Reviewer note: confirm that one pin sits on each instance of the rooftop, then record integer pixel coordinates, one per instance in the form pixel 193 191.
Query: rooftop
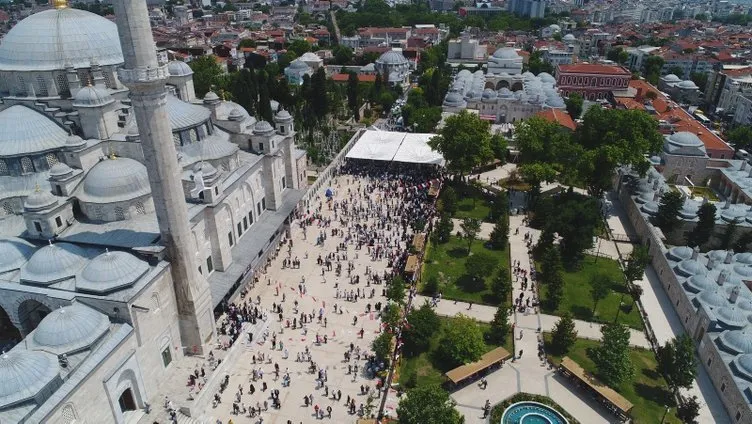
pixel 593 68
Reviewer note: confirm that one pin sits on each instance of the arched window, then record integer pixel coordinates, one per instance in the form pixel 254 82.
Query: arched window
pixel 26 165
pixel 41 87
pixel 193 134
pixel 176 138
pixel 68 414
pixel 51 159
pixel 140 209
pixel 21 89
pixel 85 77
pixel 62 85
pixel 7 209
pixel 155 301
pixel 119 213
pixel 99 213
pixel 108 80
pixel 3 168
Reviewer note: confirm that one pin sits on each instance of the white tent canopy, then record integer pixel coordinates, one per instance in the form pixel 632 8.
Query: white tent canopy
pixel 395 146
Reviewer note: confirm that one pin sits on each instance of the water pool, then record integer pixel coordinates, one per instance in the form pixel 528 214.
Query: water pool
pixel 531 413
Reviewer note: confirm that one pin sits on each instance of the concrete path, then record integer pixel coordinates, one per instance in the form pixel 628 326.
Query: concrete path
pixel 485 228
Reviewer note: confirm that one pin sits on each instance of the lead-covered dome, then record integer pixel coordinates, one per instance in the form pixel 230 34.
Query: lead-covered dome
pixel 743 365
pixel 24 130
pixel 178 68
pixel 185 115
pixel 69 329
pixel 14 252
pixel 53 263
pixel 685 139
pixel 506 53
pixel 392 57
pixel 671 78
pixel 26 373
pixel 39 200
pixel 115 180
pixel 263 128
pixel 57 38
pixel 737 341
pixel 111 271
pixel 91 96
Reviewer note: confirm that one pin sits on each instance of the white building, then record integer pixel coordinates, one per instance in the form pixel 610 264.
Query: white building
pixel 505 61
pixel 296 70
pixel 467 49
pixel 395 66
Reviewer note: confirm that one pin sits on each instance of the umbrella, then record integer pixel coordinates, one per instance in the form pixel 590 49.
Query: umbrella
pixel 329 192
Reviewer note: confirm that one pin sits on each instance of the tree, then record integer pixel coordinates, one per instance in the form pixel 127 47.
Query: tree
pixel 422 325
pixel 352 94
pixel 319 97
pixel 501 284
pixel 449 200
pixel 382 347
pixel 465 142
pixel 700 79
pixel 688 410
pixel 396 290
pixel 428 404
pixel 299 47
pixel 432 285
pixel 499 325
pixel 391 316
pixel 342 54
pixel 462 342
pixel 636 263
pixel 479 265
pixel 676 70
pixel 727 238
pixel 618 55
pixel 600 287
pixel 653 66
pixel 563 335
pixel 611 357
pixel 667 218
pixel 740 137
pixel 551 277
pixel 705 226
pixel 264 103
pixel 677 363
pixel 574 105
pixel 743 242
pixel 206 71
pixel 499 147
pixel 470 229
pixel 444 228
pixel 500 234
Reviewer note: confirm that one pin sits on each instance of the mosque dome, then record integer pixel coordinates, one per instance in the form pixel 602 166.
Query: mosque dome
pixel 743 365
pixel 744 304
pixel 235 115
pixel 568 38
pixel 298 65
pixel 506 53
pixel 115 180
pixel 732 214
pixel 283 116
pixel 689 210
pixel 743 270
pixel 39 200
pixel 263 127
pixel 555 102
pixel 212 148
pixel 688 84
pixel 24 374
pixel 206 169
pixel 505 92
pixel 14 252
pixel 689 267
pixel 111 271
pixel 528 75
pixel 685 139
pixel 546 77
pixel 60 169
pixel 392 57
pixel 211 97
pixel 713 298
pixel 671 78
pixel 554 27
pixel 178 68
pixel 650 208
pixel 59 38
pixel 91 96
pixel 454 99
pixel 737 341
pixel 745 258
pixel 74 140
pixel 731 317
pixel 698 283
pixel 185 115
pixel 53 263
pixel 69 329
pixel 489 95
pixel 24 130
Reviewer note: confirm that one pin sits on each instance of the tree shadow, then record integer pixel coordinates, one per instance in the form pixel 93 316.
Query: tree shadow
pixel 581 312
pixel 656 394
pixel 471 285
pixel 457 252
pixel 651 374
pixel 490 299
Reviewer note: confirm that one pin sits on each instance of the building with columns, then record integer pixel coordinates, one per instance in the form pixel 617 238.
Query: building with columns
pixel 591 81
pixel 129 211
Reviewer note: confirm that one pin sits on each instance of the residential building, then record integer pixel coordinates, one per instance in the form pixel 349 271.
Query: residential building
pixel 591 81
pixel 467 49
pixel 527 8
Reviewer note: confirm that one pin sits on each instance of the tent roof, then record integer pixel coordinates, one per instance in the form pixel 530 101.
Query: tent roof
pixel 395 146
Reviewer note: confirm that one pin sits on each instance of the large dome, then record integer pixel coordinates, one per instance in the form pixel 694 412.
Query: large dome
pixel 111 271
pixel 14 252
pixel 57 38
pixel 506 53
pixel 115 180
pixel 69 329
pixel 25 373
pixel 685 139
pixel 24 130
pixel 392 57
pixel 185 115
pixel 53 263
pixel 737 341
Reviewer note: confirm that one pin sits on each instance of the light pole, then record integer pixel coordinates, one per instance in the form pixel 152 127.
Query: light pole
pixel 664 414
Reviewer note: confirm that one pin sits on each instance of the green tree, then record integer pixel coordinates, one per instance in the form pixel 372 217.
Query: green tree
pixel 563 335
pixel 688 410
pixel 501 284
pixel 449 200
pixel 479 265
pixel 422 325
pixel 396 290
pixel 499 147
pixel 464 141
pixel 444 228
pixel 729 234
pixel 652 68
pixel 618 55
pixel 470 229
pixel 462 341
pixel 432 285
pixel 676 70
pixel 700 79
pixel 206 72
pixel 352 94
pixel 343 55
pixel 382 347
pixel 600 287
pixel 319 93
pixel 299 47
pixel 499 325
pixel 391 316
pixel 611 357
pixel 551 277
pixel 667 218
pixel 740 137
pixel 574 105
pixel 636 263
pixel 428 404
pixel 743 242
pixel 500 234
pixel 264 103
pixel 704 227
pixel 677 363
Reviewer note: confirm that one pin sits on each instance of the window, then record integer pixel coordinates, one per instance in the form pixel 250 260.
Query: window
pixel 62 85
pixel 119 213
pixel 723 387
pixel 258 208
pixel 283 182
pixel 58 222
pixel 166 356
pixel 245 223
pixel 263 203
pixel 710 361
pixel 38 226
pixel 209 264
pixel 738 415
pixel 229 237
pixel 176 138
pixel 261 146
pixel 140 209
pixel 250 217
pixel 68 414
pixel 26 165
pixel 194 135
pixel 199 270
pixel 3 168
pixel 240 229
pixel 7 209
pixel 21 86
pixel 41 87
pixel 51 159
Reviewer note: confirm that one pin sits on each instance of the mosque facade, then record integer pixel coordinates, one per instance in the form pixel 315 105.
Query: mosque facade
pixel 129 211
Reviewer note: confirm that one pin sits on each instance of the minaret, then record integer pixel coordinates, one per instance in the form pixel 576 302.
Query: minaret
pixel 145 78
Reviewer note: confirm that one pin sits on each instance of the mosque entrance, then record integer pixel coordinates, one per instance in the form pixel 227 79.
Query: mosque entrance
pixel 31 313
pixel 9 334
pixel 126 401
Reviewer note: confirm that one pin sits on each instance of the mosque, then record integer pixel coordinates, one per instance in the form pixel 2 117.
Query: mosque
pixel 129 208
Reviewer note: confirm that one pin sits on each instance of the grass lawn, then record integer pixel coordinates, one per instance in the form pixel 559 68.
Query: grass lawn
pixel 446 262
pixel 705 192
pixel 648 391
pixel 428 368
pixel 577 299
pixel 471 202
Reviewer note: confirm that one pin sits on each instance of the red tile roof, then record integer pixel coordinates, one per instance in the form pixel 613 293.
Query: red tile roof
pixel 593 68
pixel 361 78
pixel 558 116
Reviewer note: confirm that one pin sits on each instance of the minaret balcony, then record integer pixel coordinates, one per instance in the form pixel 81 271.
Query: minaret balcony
pixel 143 75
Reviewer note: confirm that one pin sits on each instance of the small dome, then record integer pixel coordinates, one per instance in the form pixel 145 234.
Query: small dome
pixel 743 365
pixel 298 65
pixel 688 85
pixel 745 258
pixel 472 94
pixel 731 317
pixel 24 130
pixel 650 208
pixel 211 97
pixel 737 341
pixel 568 38
pixel 74 140
pixel 718 255
pixel 178 68
pixel 698 283
pixel 690 267
pixel 489 94
pixel 546 77
pixel 91 96
pixel 714 298
pixel 235 115
pixel 206 169
pixel 25 373
pixel 70 329
pixel 14 252
pixel 283 116
pixel 185 115
pixel 60 170
pixel 115 180
pixel 744 304
pixel 743 270
pixel 392 57
pixel 505 92
pixel 685 139
pixel 263 127
pixel 556 103
pixel 689 210
pixel 111 271
pixel 528 75
pixel 454 99
pixel 53 263
pixel 506 53
pixel 671 78
pixel 732 214
pixel 39 200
